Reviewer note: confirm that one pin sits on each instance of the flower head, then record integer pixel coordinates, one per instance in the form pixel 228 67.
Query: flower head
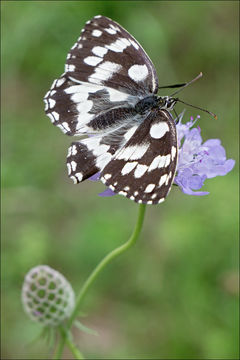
pixel 47 296
pixel 198 161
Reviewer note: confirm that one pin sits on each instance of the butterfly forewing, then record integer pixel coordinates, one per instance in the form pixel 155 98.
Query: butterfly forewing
pixel 106 69
pixel 143 170
pixel 106 54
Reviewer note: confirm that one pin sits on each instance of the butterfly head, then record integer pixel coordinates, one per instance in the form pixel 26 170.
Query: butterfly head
pixel 167 102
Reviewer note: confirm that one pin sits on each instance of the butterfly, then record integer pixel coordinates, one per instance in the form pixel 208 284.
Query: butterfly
pixel 109 93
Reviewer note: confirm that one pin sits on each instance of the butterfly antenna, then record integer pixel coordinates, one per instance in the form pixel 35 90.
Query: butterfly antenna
pixel 188 83
pixel 172 86
pixel 199 108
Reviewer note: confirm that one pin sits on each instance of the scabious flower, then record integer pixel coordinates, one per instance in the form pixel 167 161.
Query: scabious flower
pixel 197 161
pixel 47 296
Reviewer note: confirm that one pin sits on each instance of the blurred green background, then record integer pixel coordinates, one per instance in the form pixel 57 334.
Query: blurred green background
pixel 175 295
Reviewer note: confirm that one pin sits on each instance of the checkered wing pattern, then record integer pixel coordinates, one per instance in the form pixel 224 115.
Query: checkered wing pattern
pixel 106 54
pixel 108 93
pixel 143 169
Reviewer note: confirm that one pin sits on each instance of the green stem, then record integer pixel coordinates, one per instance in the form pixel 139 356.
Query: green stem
pixel 74 349
pixel 106 260
pixel 67 338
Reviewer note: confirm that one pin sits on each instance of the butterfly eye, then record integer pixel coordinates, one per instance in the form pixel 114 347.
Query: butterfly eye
pixel 160 101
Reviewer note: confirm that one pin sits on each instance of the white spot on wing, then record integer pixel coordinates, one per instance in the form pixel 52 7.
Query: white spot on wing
pixel 149 188
pixel 51 117
pixel 96 33
pixel 74 46
pixel 122 193
pixel 130 133
pixel 138 72
pixel 60 82
pixel 73 179
pixel 55 115
pixel 79 176
pixel 168 159
pixel 92 60
pixel 128 167
pixel 126 153
pixel 104 72
pixel 163 179
pixel 74 150
pixel 69 67
pixel 73 165
pixel 119 45
pixel 85 106
pixel 159 130
pixel 46 105
pixel 164 161
pixel 107 176
pixel 62 128
pixel 66 126
pixel 139 151
pixel 140 170
pixel 173 152
pixel 69 168
pixel 51 103
pixel 99 51
pixel 115 95
pixel 111 31
pixel 134 44
pixel 154 164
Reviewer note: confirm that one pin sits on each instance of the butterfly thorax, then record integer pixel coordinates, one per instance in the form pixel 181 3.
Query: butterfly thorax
pixel 153 101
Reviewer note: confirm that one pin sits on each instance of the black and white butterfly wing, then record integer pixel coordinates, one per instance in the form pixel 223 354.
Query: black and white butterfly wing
pixel 143 169
pixel 106 70
pixel 79 109
pixel 106 54
pixel 90 155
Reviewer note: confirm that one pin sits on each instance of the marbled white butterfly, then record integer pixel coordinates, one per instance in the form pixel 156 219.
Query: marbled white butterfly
pixel 108 91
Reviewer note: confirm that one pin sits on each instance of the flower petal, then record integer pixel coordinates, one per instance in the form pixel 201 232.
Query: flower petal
pixel 107 192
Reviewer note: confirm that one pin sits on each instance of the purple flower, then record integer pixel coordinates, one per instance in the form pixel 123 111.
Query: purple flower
pixel 197 161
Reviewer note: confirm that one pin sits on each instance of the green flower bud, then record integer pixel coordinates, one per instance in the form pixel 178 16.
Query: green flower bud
pixel 47 296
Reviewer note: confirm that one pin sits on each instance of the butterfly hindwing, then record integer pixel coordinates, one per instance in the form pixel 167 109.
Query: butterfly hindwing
pixel 83 108
pixel 90 155
pixel 143 170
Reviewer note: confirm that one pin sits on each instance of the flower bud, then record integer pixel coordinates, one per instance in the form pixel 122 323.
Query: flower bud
pixel 47 296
